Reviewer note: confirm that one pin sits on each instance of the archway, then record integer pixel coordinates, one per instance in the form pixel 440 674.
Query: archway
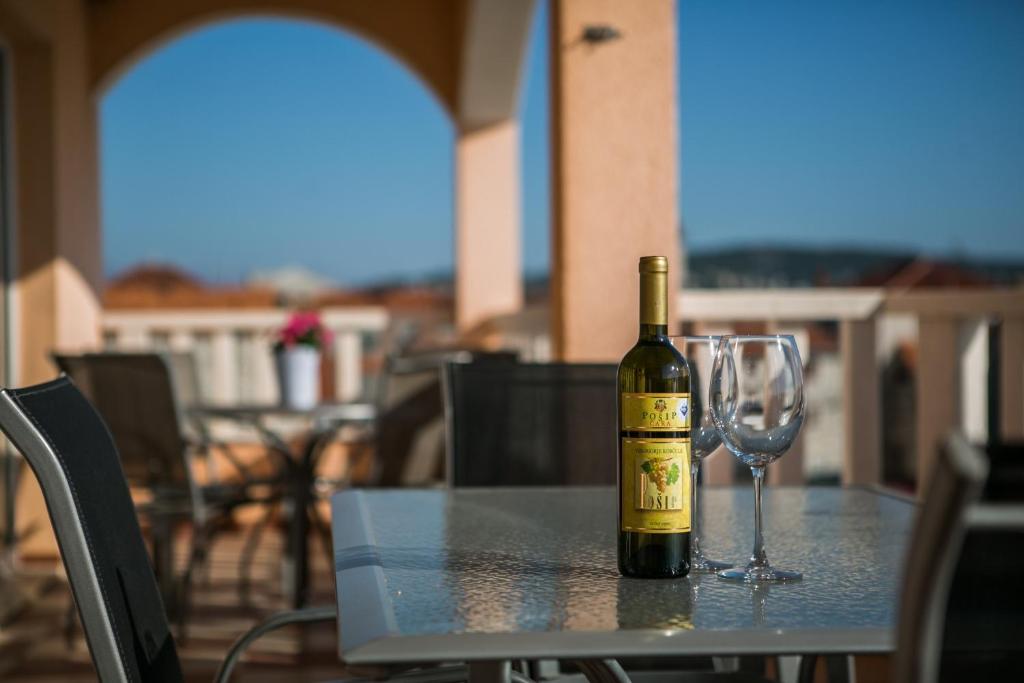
pixel 62 60
pixel 251 145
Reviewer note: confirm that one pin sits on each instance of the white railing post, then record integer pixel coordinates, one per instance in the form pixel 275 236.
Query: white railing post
pixel 862 434
pixel 265 374
pixel 936 384
pixel 134 338
pixel 224 373
pixel 181 341
pixel 789 470
pixel 973 366
pixel 1011 380
pixel 348 365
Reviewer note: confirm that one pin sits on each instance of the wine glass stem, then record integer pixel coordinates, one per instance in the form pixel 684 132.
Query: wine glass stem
pixel 694 509
pixel 759 558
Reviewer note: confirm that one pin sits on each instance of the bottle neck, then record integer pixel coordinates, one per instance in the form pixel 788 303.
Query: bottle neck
pixel 648 332
pixel 653 305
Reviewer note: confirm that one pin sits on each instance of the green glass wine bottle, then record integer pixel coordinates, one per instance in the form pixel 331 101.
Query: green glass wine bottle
pixel 654 441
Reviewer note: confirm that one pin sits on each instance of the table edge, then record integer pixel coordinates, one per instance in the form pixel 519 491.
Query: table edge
pixel 363 591
pixel 404 649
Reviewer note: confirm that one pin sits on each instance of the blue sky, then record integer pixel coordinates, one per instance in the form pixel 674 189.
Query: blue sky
pixel 258 143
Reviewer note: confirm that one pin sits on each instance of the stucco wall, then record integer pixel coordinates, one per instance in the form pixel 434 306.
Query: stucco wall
pixel 53 203
pixel 614 171
pixel 425 34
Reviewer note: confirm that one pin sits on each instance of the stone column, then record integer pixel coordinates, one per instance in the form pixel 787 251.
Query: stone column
pixel 488 261
pixel 614 168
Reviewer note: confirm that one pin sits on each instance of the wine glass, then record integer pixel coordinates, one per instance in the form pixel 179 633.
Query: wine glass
pixel 757 404
pixel 699 353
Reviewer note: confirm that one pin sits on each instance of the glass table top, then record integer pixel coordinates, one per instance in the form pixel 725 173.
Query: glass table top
pixel 517 562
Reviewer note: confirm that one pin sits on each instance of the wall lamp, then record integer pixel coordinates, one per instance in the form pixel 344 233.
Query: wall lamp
pixel 600 33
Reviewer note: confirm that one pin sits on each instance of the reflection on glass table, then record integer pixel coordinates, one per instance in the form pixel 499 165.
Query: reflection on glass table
pixel 507 573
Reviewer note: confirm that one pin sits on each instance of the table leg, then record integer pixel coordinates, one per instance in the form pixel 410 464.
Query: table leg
pixel 303 478
pixel 495 671
pixel 301 483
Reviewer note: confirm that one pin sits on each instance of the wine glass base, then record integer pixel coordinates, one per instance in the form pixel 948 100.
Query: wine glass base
pixel 706 566
pixel 759 575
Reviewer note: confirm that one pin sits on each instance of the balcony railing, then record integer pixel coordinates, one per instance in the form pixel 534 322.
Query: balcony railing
pixel 954 384
pixel 233 346
pixel 953 331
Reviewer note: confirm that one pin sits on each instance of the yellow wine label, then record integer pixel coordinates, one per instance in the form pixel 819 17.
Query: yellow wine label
pixel 655 486
pixel 655 412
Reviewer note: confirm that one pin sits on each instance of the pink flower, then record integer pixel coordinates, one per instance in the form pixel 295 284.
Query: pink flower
pixel 303 327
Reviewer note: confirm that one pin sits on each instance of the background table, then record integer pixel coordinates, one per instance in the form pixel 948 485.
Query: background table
pixel 324 420
pixel 497 574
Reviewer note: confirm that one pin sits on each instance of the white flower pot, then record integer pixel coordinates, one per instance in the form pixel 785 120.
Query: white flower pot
pixel 298 376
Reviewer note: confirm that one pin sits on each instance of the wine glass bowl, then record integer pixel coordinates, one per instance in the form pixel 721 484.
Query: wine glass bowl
pixel 756 401
pixel 699 352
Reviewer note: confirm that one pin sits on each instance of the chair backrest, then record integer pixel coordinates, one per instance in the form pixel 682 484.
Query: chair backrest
pixel 409 443
pixel 984 631
pixel 74 367
pixel 188 392
pixel 135 394
pixel 957 479
pixel 73 456
pixel 525 424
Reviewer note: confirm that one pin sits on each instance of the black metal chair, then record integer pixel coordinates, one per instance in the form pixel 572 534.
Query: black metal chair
pixel 408 439
pixel 962 608
pixel 135 394
pixel 73 455
pixel 957 478
pixel 983 636
pixel 526 424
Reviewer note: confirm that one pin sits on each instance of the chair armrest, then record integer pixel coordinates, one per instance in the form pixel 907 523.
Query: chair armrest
pixel 272 623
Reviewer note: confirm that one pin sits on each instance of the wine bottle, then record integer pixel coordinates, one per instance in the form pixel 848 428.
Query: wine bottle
pixel 654 441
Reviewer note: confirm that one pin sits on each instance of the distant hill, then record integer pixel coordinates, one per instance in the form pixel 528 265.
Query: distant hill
pixel 746 266
pixel 823 267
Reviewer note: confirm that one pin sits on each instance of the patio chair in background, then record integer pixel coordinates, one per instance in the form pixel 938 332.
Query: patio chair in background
pixel 962 605
pixel 135 394
pixel 530 424
pixel 408 436
pixel 983 638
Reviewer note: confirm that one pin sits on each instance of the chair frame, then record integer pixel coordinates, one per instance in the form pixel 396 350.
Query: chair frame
pixel 942 523
pixel 74 545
